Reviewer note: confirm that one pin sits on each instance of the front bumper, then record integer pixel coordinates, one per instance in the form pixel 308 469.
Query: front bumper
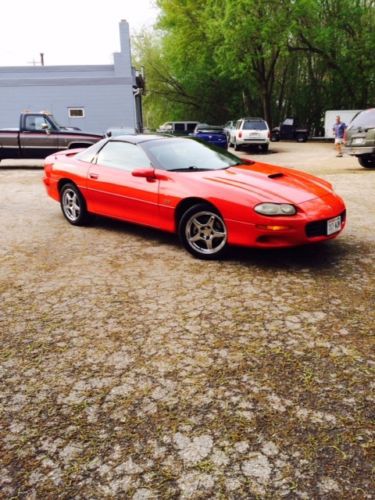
pixel 307 227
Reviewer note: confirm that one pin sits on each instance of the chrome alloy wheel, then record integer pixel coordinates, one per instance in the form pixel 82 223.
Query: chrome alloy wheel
pixel 71 204
pixel 206 233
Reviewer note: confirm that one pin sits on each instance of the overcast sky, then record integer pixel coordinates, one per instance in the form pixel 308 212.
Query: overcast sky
pixel 68 31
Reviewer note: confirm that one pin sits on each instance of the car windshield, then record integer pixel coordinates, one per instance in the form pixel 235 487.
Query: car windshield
pixel 55 122
pixel 365 119
pixel 188 155
pixel 254 125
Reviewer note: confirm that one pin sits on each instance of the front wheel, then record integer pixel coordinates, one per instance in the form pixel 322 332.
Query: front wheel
pixel 73 205
pixel 366 161
pixel 301 138
pixel 203 232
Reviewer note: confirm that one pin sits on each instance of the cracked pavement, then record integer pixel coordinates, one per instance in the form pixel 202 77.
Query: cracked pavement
pixel 128 369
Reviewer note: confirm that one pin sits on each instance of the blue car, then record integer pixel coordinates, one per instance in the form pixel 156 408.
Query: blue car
pixel 212 134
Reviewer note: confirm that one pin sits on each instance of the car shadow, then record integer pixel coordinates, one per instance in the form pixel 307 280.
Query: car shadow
pixel 319 257
pixel 149 233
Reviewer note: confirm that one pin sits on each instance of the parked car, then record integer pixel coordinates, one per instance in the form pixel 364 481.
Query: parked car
pixel 210 197
pixel 250 132
pixel 212 134
pixel 39 135
pixel 359 138
pixel 289 129
pixel 178 128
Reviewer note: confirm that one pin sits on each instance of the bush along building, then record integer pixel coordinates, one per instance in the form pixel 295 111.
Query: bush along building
pixel 90 97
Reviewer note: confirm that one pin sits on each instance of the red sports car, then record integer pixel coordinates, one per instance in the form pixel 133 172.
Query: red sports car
pixel 211 198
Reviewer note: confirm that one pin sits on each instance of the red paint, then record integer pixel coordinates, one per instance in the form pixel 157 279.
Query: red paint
pixel 151 197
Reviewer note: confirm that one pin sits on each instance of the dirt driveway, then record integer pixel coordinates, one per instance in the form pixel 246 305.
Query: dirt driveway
pixel 130 370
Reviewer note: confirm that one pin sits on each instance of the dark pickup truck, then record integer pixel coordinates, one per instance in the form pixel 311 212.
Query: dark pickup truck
pixel 289 130
pixel 39 135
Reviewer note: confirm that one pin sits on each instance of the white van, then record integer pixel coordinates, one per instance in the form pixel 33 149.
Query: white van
pixel 346 116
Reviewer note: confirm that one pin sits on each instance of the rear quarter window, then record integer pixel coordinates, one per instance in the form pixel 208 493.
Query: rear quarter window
pixel 364 119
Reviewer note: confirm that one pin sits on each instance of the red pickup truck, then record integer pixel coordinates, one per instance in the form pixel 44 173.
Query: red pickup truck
pixel 39 135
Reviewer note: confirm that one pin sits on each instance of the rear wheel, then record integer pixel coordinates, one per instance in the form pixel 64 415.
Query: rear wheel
pixel 301 138
pixel 367 161
pixel 264 148
pixel 203 232
pixel 73 205
pixel 236 146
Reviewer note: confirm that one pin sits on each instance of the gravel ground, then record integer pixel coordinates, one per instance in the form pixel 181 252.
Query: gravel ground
pixel 130 370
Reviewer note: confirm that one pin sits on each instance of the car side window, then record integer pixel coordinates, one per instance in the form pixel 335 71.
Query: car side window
pixel 238 124
pixel 89 154
pixel 123 155
pixel 36 122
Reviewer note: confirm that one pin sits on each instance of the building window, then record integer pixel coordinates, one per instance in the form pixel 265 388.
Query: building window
pixel 76 112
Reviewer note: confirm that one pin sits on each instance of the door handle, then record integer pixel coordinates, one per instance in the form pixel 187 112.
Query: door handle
pixel 93 176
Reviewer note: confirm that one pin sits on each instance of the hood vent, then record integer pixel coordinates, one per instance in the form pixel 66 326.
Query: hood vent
pixel 275 176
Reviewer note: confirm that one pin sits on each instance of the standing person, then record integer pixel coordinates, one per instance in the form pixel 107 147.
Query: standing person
pixel 339 129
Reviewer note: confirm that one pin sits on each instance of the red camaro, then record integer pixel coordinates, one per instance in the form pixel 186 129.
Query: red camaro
pixel 211 198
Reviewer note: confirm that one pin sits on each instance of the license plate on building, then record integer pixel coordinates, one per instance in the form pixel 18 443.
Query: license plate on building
pixel 333 225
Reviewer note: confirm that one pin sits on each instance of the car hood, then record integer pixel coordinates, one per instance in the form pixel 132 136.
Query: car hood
pixel 269 183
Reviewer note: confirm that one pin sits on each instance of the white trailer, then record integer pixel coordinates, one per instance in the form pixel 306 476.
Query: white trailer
pixel 346 116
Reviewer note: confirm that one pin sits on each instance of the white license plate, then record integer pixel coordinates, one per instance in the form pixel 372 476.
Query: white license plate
pixel 358 140
pixel 333 225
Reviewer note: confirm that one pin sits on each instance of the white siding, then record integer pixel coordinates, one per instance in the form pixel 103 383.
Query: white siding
pixel 104 91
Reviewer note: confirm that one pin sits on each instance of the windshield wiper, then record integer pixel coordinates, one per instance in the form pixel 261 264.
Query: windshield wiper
pixel 189 169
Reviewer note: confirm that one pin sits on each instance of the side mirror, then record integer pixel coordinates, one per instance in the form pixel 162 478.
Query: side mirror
pixel 46 128
pixel 147 173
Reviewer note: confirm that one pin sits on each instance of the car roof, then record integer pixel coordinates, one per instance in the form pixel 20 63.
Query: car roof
pixel 139 138
pixel 253 118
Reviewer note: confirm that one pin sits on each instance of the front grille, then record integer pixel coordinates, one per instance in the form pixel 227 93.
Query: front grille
pixel 319 227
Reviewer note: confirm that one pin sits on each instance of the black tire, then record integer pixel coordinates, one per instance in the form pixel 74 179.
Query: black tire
pixel 301 138
pixel 203 232
pixel 366 161
pixel 236 146
pixel 264 148
pixel 79 146
pixel 275 137
pixel 73 205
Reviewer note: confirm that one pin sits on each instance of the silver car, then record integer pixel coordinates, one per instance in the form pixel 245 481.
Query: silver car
pixel 251 132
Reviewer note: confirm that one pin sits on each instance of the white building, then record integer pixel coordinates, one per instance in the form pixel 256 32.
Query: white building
pixel 92 97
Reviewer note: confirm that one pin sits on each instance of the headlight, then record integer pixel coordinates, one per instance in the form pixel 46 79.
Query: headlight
pixel 275 209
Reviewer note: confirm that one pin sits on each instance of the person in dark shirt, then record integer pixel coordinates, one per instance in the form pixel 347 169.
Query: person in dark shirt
pixel 338 130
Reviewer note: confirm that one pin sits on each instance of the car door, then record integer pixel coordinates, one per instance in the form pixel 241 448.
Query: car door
pixel 113 191
pixel 39 138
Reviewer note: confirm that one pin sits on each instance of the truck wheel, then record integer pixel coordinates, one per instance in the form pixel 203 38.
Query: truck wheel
pixel 264 148
pixel 275 138
pixel 366 161
pixel 301 138
pixel 73 205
